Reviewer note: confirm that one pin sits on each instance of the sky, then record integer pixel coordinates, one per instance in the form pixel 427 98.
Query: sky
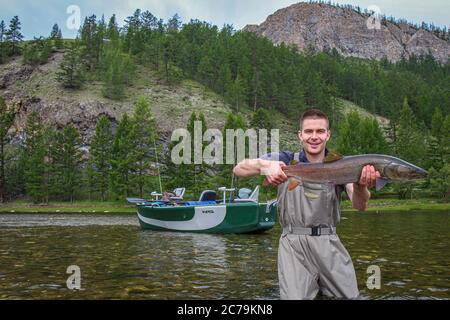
pixel 38 17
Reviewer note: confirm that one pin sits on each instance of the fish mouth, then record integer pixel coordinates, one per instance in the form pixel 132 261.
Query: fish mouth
pixel 419 173
pixel 422 173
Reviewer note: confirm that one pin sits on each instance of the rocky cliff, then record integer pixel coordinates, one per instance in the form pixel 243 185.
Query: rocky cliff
pixel 324 27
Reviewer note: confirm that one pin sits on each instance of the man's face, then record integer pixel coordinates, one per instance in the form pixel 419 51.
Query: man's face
pixel 314 135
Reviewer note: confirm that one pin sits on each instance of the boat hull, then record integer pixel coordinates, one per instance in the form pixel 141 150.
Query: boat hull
pixel 220 218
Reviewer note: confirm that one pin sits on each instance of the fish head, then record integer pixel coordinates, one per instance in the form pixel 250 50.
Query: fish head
pixel 403 171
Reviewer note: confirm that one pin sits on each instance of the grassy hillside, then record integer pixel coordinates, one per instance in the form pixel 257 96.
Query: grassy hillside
pixel 171 104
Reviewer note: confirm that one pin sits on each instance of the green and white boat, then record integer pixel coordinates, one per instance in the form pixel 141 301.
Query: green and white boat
pixel 208 215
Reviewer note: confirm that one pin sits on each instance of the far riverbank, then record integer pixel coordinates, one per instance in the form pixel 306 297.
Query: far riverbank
pixel 375 205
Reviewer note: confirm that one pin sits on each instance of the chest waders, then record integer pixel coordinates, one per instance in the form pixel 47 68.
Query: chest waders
pixel 311 256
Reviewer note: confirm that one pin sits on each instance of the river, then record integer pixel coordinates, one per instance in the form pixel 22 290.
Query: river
pixel 118 260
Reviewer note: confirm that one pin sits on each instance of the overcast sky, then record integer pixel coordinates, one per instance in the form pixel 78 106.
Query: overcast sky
pixel 38 17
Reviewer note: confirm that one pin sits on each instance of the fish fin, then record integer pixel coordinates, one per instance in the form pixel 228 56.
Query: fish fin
pixel 293 162
pixel 332 156
pixel 293 183
pixel 381 182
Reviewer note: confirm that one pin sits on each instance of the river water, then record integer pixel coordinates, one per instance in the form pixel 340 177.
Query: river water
pixel 118 260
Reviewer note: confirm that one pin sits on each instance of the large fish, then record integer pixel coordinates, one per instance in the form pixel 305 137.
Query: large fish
pixel 342 170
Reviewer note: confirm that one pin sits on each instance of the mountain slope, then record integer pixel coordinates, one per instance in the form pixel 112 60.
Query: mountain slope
pixel 324 27
pixel 38 90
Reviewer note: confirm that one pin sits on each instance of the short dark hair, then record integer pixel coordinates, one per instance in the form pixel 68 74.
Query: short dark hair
pixel 314 114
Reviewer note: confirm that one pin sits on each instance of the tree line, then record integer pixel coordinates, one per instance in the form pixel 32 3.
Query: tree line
pixel 34 52
pixel 249 72
pixel 127 159
pixel 124 159
pixel 46 164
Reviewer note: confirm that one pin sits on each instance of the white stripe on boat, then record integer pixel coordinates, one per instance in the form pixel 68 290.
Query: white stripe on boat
pixel 204 218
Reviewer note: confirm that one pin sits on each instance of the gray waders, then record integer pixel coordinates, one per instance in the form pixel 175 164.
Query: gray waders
pixel 311 257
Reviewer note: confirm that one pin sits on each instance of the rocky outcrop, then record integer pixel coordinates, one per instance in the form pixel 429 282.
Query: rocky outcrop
pixel 36 89
pixel 60 113
pixel 325 27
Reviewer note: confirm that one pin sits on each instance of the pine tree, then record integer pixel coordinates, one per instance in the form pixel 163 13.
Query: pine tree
pixel 445 139
pixel 144 137
pixel 3 48
pixel 71 73
pixel 190 169
pixel 201 170
pixel 435 141
pixel 100 154
pixel 174 23
pixel 13 35
pixel 91 38
pixel 31 53
pixel 34 153
pixel 440 181
pixel 349 137
pixel 7 117
pixel 409 145
pixel 372 139
pixel 118 73
pixel 436 123
pixel 112 31
pixel 434 153
pixel 135 35
pixel 262 120
pixel 56 37
pixel 71 160
pixel 237 92
pixel 121 162
pixel 37 51
pixel 225 174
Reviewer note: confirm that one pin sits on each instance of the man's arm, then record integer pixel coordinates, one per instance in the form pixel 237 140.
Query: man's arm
pixel 358 192
pixel 253 167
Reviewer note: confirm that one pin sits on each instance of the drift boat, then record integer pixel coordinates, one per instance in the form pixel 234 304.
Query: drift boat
pixel 240 215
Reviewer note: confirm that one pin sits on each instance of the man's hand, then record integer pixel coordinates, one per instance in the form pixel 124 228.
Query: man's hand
pixel 368 177
pixel 358 192
pixel 274 173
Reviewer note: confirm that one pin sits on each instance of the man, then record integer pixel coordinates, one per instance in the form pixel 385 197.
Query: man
pixel 311 257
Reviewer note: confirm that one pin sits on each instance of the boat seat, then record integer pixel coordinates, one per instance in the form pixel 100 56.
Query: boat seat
pixel 179 193
pixel 244 193
pixel 252 198
pixel 208 195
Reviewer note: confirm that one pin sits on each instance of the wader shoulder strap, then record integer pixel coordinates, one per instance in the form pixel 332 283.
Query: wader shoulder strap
pixel 297 156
